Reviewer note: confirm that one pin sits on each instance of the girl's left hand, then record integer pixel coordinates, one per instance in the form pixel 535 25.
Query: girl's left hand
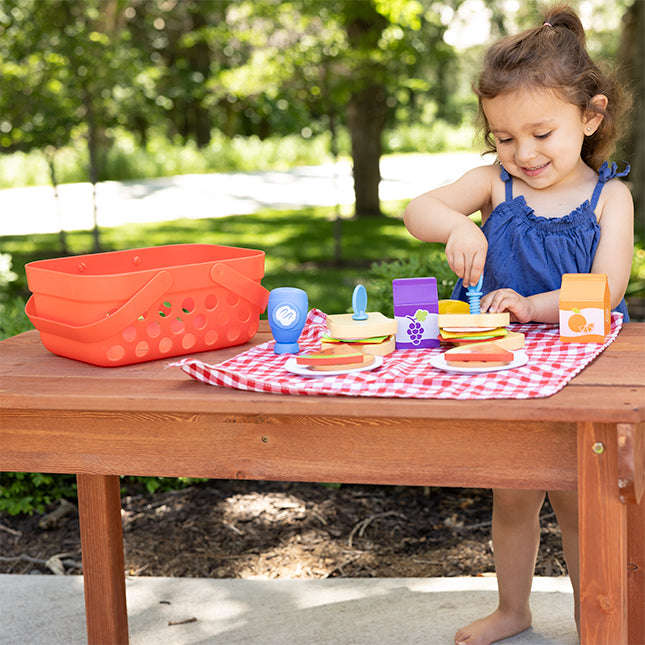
pixel 522 309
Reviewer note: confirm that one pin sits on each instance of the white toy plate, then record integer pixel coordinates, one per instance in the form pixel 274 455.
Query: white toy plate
pixel 439 361
pixel 302 370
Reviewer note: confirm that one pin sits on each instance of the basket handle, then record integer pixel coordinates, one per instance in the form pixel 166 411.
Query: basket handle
pixel 116 322
pixel 231 279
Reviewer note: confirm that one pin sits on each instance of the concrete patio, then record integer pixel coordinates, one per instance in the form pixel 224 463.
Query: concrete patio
pixel 49 610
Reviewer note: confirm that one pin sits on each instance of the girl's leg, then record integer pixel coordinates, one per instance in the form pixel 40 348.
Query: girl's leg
pixel 516 538
pixel 565 505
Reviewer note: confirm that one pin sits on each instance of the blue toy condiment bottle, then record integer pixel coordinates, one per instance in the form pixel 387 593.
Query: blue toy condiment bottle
pixel 287 312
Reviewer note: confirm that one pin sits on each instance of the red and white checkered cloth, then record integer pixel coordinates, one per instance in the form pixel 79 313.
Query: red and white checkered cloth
pixel 408 373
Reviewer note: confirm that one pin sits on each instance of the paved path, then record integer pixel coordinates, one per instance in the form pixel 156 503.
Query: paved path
pixel 34 210
pixel 48 610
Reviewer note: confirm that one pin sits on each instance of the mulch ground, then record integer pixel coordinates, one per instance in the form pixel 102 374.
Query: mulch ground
pixel 237 529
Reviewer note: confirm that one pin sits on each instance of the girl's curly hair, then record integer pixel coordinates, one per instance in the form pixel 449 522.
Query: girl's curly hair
pixel 554 56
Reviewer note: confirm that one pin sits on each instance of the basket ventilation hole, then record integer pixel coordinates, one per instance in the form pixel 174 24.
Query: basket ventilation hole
pixel 188 341
pixel 165 345
pixel 154 329
pixel 164 309
pixel 129 334
pixel 232 299
pixel 211 302
pixel 115 353
pixel 141 349
pixel 188 306
pixel 232 333
pixel 199 321
pixel 177 326
pixel 211 337
pixel 244 313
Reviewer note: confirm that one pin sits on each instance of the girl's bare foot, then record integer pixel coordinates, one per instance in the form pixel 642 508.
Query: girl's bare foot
pixel 493 628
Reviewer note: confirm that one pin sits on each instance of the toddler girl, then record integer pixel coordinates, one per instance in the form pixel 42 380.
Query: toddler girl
pixel 550 205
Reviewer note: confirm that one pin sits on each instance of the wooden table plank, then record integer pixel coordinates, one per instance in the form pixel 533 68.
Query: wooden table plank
pixel 297 448
pixel 610 390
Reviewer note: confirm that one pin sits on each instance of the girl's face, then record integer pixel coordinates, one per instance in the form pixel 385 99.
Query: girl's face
pixel 538 135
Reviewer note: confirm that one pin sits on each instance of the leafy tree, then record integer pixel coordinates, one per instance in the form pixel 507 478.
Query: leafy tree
pixel 69 61
pixel 632 58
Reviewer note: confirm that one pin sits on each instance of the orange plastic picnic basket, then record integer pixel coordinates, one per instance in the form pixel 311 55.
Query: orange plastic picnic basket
pixel 126 307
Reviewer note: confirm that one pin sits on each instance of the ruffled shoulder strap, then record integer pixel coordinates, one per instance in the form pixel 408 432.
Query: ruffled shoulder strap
pixel 605 173
pixel 508 181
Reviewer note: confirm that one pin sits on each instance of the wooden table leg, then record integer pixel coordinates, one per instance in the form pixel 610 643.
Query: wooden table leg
pixel 99 506
pixel 636 571
pixel 603 538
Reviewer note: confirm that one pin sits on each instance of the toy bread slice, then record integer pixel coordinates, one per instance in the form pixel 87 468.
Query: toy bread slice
pixel 512 341
pixel 376 324
pixel 335 355
pixel 481 353
pixel 474 320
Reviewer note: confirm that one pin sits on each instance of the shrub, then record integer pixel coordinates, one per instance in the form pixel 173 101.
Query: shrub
pixel 431 263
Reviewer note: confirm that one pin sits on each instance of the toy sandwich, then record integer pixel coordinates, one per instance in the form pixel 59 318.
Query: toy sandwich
pixel 367 333
pixel 340 356
pixel 466 323
pixel 481 339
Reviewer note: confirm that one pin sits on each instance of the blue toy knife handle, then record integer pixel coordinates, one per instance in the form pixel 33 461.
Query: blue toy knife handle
pixel 359 302
pixel 475 294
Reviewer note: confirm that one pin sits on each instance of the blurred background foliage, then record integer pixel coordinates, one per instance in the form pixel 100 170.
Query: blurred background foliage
pixel 127 89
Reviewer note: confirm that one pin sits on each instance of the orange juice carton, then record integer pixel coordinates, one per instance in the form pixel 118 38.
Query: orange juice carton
pixel 585 315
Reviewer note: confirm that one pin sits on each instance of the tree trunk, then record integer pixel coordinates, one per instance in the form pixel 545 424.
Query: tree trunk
pixel 632 59
pixel 366 116
pixel 50 155
pixel 94 165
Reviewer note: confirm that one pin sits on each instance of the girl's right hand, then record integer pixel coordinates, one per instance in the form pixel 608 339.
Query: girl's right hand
pixel 466 249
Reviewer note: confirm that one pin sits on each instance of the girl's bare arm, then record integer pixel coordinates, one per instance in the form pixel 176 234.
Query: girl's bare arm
pixel 616 247
pixel 441 215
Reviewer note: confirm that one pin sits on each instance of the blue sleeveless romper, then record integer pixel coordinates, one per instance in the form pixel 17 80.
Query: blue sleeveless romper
pixel 529 254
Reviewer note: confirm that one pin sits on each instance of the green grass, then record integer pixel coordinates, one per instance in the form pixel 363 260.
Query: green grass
pixel 299 247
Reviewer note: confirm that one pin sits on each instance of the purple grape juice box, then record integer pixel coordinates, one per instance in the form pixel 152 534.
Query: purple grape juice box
pixel 416 310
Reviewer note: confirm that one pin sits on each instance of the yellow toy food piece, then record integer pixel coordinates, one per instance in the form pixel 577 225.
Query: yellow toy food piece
pixel 453 307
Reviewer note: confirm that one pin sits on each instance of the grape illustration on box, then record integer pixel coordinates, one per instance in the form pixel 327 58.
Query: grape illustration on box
pixel 416 310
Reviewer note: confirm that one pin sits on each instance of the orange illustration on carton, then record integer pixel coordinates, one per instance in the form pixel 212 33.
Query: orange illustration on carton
pixel 585 315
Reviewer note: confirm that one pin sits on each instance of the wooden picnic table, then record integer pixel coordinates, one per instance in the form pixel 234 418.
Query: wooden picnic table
pixel 63 416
